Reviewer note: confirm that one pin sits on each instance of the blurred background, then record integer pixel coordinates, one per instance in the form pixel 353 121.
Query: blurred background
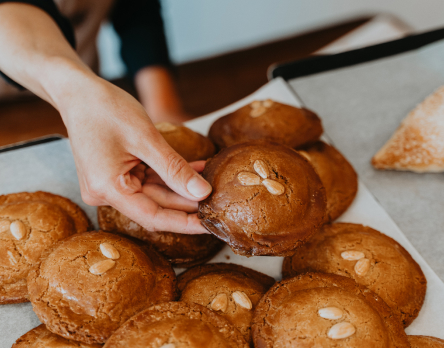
pixel 222 49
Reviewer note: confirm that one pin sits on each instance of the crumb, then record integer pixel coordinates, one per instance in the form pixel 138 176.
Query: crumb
pixel 227 257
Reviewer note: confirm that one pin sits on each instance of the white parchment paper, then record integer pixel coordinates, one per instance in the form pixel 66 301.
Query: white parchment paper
pixel 50 167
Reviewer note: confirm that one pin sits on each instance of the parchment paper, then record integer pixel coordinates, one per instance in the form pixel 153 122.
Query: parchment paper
pixel 50 167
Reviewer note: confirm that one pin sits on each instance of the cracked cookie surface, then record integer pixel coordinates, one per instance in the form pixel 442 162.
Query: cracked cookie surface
pixel 213 286
pixel 425 342
pixel 276 122
pixel 27 231
pixel 337 175
pixel 392 273
pixel 293 313
pixel 79 217
pixel 253 219
pixel 178 325
pixel 78 304
pixel 41 337
pixel 182 250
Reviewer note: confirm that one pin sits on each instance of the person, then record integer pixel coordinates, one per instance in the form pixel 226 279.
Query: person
pixel 113 139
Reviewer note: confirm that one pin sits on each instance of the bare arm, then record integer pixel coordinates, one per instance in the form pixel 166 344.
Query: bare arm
pixel 109 131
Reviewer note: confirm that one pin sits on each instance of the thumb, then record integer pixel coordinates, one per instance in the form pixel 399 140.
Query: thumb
pixel 173 169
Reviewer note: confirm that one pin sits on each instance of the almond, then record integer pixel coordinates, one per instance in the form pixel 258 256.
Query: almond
pixel 274 187
pixel 18 229
pixel 109 251
pixel 248 179
pixel 256 104
pixel 305 154
pixel 168 345
pixel 102 266
pixel 331 313
pixel 4 226
pixel 341 330
pixel 261 168
pixel 242 299
pixel 165 127
pixel 220 303
pixel 362 267
pixel 11 258
pixel 267 103
pixel 256 112
pixel 352 255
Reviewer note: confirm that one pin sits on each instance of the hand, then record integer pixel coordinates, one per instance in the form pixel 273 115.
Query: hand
pixel 111 135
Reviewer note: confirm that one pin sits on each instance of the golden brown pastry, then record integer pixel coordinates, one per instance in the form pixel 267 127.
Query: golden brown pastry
pixel 267 199
pixel 268 120
pixel 425 342
pixel 418 143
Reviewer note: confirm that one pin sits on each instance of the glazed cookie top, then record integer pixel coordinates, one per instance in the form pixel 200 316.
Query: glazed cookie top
pixel 337 175
pixel 269 120
pixel 182 250
pixel 266 199
pixel 93 282
pixel 324 310
pixel 41 337
pixel 370 258
pixel 230 290
pixel 177 325
pixel 79 217
pixel 425 342
pixel 190 145
pixel 27 230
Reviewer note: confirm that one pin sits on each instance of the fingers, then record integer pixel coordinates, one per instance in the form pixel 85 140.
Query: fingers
pixel 172 168
pixel 166 198
pixel 147 213
pixel 151 177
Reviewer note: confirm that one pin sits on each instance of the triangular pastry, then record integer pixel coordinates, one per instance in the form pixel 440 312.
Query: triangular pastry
pixel 418 143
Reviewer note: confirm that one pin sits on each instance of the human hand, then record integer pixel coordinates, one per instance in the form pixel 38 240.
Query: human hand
pixel 111 135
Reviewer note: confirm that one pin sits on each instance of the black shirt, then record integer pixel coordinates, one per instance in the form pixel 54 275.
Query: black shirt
pixel 138 23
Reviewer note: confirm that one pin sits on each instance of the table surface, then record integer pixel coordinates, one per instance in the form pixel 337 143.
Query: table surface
pixel 361 107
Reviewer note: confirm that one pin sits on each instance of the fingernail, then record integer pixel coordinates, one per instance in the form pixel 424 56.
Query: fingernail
pixel 198 187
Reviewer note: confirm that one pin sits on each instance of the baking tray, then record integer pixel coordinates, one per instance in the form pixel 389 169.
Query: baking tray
pixel 52 167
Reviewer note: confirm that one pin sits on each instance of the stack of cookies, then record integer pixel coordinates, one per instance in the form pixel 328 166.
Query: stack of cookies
pixel 277 190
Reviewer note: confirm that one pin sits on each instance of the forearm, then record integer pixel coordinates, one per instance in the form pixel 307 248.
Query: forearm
pixel 35 53
pixel 158 94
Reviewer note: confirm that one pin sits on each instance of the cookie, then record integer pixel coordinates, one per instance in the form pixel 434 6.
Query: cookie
pixel 28 229
pixel 91 283
pixel 190 145
pixel 370 258
pixel 182 250
pixel 425 342
pixel 268 120
pixel 177 325
pixel 325 310
pixel 337 175
pixel 79 217
pixel 230 290
pixel 41 337
pixel 267 199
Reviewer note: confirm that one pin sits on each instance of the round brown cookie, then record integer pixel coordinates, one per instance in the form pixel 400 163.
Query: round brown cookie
pixel 41 337
pixel 190 145
pixel 325 310
pixel 177 325
pixel 266 199
pixel 267 120
pixel 370 258
pixel 182 250
pixel 337 175
pixel 27 231
pixel 230 290
pixel 79 217
pixel 425 342
pixel 91 283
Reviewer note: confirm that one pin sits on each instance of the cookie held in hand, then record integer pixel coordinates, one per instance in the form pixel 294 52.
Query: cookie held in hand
pixel 267 199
